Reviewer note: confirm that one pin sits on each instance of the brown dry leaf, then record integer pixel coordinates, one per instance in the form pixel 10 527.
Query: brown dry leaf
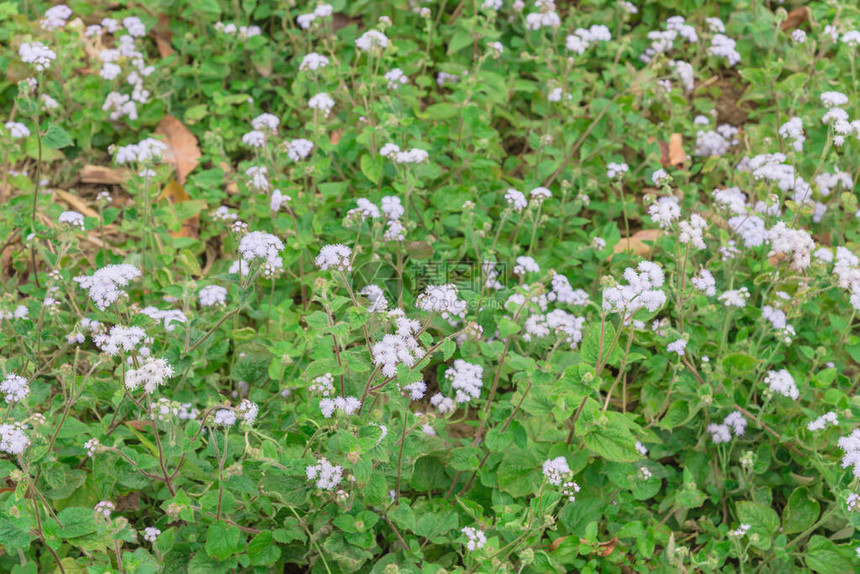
pixel 795 18
pixel 606 548
pixel 335 136
pixel 103 175
pixel 139 426
pixel 182 150
pixel 636 243
pixel 175 193
pixel 677 157
pixel 556 543
pixel 664 151
pixel 163 36
pixel 74 202
pixel 130 501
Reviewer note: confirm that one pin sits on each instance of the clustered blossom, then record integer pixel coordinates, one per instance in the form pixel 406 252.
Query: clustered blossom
pixel 735 297
pixel 677 347
pixel 796 243
pixel 562 292
pixel 724 47
pixel 821 422
pixel 337 257
pixel 37 54
pixel 526 265
pixel 326 475
pixel 782 382
pixel 299 149
pixel 582 38
pixel 395 154
pixel 313 62
pixel 225 418
pixel 322 102
pixel 212 295
pixel 166 316
pixel 476 538
pixel 106 285
pixel 401 347
pixel 104 508
pixel 119 339
pixel 72 219
pixel 642 290
pixel 556 470
pixel 262 246
pixel 323 384
pixel 664 40
pixel 692 231
pixel 372 40
pixel 734 422
pixel 150 533
pixel 17 130
pixel 665 211
pixel 442 299
pixel 850 445
pixel 13 439
pixel 465 378
pixel 14 387
pixel 614 170
pixel 347 405
pixel 516 199
pixel 150 375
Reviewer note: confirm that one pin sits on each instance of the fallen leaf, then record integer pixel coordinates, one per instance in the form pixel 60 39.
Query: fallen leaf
pixel 74 202
pixel 636 244
pixel 130 501
pixel 175 193
pixel 795 18
pixel 139 426
pixel 163 36
pixel 103 175
pixel 335 136
pixel 677 157
pixel 182 150
pixel 664 151
pixel 606 548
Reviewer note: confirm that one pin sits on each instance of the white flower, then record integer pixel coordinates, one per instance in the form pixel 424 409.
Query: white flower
pixel 104 508
pixel 212 295
pixel 850 445
pixel 261 245
pixel 465 378
pixel 724 47
pixel 13 439
pixel 120 339
pixel 372 39
pixel 299 149
pixel 166 316
pixel 526 265
pixel 613 170
pixel 313 62
pixel 443 403
pixel 72 219
pixel 396 78
pixel 134 26
pixel 415 390
pixel 641 449
pixel 15 387
pixel 794 242
pixel 659 177
pixel 254 138
pixel 56 17
pixel 556 470
pixel 258 177
pixel 326 475
pixel 322 102
pixel 337 256
pixel 443 299
pixel 248 411
pixel 642 290
pixel 348 405
pixel 692 232
pixel 834 99
pixel 17 130
pixel 539 194
pixel 735 297
pixel 665 211
pixel 751 228
pixel 150 375
pixel 374 294
pixel 677 347
pixel 37 54
pixel 150 533
pixel 476 538
pixel 105 285
pixel 782 382
pixel 821 422
pixel 516 199
pixel 224 418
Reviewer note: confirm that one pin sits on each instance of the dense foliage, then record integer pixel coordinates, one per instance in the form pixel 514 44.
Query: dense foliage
pixel 411 286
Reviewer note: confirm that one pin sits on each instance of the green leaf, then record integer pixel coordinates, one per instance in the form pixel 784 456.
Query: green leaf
pixel 12 535
pixel 519 472
pixel 801 512
pixel 371 167
pixel 221 540
pixel 507 327
pixel 76 522
pixel 56 137
pixel 460 40
pixel 612 441
pixel 262 551
pixel 825 556
pixel 441 111
pixel 762 519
